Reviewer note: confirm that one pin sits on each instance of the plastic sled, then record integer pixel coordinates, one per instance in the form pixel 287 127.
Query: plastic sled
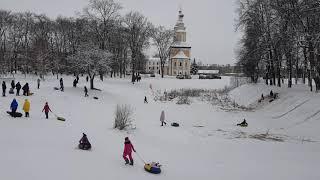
pixel 243 125
pixel 153 168
pixel 95 98
pixel 17 114
pixel 175 124
pixel 84 146
pixel 61 119
pixel 11 91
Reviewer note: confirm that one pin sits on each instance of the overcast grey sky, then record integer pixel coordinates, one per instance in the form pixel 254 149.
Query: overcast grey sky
pixel 210 23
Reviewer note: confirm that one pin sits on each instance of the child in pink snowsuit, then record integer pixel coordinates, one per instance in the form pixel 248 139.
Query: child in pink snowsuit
pixel 128 147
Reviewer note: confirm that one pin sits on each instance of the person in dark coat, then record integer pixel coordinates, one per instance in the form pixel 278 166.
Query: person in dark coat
pixel 46 110
pixel 87 78
pixel 85 91
pixel 25 89
pixel 77 78
pixel 13 84
pixel 61 84
pixel 84 142
pixel 145 100
pixel 38 83
pixel 75 83
pixel 4 87
pixel 14 107
pixel 18 87
pixel 271 93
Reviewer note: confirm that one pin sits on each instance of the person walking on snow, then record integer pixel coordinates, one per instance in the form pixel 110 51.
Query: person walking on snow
pixel 38 83
pixel 25 89
pixel 128 148
pixel 61 84
pixel 162 118
pixel 85 91
pixel 26 107
pixel 14 107
pixel 4 87
pixel 145 99
pixel 46 110
pixel 13 85
pixel 18 86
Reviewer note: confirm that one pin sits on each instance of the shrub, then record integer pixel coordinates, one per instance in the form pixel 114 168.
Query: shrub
pixel 183 100
pixel 123 116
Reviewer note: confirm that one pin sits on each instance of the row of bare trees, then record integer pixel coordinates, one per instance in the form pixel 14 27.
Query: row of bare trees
pixel 281 39
pixel 99 40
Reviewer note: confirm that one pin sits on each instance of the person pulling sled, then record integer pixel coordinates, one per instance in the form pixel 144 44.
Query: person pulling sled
pixel 14 107
pixel 84 143
pixel 162 118
pixel 128 148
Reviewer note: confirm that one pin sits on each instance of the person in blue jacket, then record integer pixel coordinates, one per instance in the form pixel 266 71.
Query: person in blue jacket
pixel 14 106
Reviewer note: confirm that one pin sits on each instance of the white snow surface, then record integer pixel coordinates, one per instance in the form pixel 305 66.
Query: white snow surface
pixel 39 149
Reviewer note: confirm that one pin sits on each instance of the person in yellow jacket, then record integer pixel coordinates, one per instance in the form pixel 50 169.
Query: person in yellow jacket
pixel 26 107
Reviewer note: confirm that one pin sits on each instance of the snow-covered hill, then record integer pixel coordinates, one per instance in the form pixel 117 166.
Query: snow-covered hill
pixel 207 146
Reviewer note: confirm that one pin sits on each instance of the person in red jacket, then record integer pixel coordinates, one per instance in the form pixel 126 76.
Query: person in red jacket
pixel 46 110
pixel 128 148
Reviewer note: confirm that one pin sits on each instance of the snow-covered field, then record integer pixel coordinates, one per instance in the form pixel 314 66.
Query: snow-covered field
pixel 281 142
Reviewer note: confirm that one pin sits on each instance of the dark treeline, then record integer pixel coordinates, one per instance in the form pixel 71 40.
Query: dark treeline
pixel 281 40
pixel 96 42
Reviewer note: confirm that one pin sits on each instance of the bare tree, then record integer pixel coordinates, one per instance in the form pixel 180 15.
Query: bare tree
pixel 91 60
pixel 138 30
pixel 102 14
pixel 163 39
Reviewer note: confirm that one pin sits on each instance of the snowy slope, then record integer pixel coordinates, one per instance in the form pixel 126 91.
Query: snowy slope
pixel 35 148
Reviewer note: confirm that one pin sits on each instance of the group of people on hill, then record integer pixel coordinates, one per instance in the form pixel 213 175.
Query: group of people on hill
pixel 25 88
pixel 136 77
pixel 26 108
pixel 75 82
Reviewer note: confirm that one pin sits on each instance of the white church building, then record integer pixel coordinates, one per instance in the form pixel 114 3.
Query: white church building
pixel 179 61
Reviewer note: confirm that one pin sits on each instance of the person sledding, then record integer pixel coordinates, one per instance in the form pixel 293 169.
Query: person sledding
pixel 14 107
pixel 46 110
pixel 84 143
pixel 128 148
pixel 145 100
pixel 243 124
